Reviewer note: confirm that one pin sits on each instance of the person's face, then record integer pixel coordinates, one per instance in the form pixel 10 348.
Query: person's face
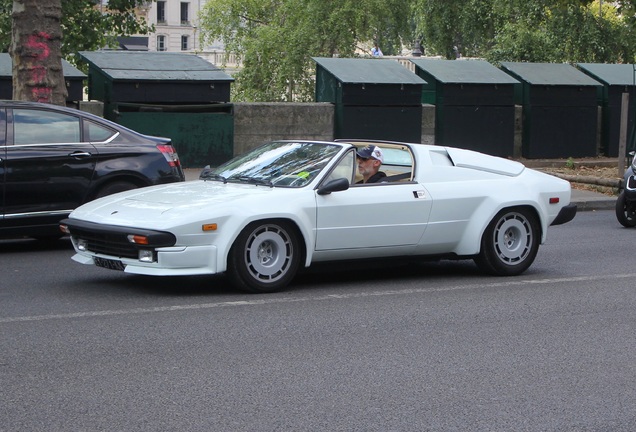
pixel 367 167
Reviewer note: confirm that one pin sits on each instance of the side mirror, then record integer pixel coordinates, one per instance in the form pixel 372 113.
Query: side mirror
pixel 204 171
pixel 336 185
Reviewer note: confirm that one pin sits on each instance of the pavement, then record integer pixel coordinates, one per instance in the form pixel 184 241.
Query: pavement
pixel 584 199
pixel 588 200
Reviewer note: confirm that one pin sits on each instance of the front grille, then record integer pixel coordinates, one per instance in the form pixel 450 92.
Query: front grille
pixel 116 245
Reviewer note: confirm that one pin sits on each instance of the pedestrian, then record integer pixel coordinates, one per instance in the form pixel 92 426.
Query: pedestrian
pixel 376 51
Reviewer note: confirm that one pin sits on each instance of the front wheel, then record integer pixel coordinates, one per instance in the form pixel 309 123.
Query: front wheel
pixel 510 243
pixel 625 211
pixel 265 257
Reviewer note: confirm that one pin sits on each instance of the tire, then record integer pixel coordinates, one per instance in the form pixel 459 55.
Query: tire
pixel 265 257
pixel 114 187
pixel 625 211
pixel 510 243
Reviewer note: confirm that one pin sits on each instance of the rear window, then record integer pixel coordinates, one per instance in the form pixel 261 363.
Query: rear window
pixel 98 133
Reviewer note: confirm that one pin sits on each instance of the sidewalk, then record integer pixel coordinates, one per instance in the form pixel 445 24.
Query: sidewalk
pixel 585 200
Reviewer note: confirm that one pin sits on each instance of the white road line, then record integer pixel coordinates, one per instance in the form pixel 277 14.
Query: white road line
pixel 278 300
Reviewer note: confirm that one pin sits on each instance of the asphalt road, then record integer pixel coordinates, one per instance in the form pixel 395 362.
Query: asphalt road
pixel 380 346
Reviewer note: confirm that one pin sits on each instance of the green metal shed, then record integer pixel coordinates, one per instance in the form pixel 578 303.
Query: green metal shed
pixel 177 95
pixel 374 98
pixel 74 79
pixel 560 109
pixel 616 80
pixel 474 104
pixel 154 77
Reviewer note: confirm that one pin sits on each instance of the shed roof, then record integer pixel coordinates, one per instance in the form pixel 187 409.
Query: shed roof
pixel 6 68
pixel 464 71
pixel 368 71
pixel 164 66
pixel 611 74
pixel 549 74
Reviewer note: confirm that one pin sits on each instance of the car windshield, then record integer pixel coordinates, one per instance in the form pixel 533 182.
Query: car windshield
pixel 279 163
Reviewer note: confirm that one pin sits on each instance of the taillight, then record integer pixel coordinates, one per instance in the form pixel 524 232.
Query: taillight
pixel 170 154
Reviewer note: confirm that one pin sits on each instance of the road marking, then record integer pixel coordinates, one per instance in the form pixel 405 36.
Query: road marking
pixel 279 300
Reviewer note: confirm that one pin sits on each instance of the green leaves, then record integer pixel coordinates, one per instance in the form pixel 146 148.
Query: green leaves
pixel 277 38
pixel 85 25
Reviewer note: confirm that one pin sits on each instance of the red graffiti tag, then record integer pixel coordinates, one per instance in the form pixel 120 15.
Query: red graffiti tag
pixel 39 45
pixel 42 94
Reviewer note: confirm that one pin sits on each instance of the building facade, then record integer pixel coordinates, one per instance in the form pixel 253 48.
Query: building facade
pixel 177 30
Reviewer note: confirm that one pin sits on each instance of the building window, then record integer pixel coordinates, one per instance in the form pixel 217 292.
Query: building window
pixel 185 17
pixel 161 12
pixel 161 43
pixel 184 43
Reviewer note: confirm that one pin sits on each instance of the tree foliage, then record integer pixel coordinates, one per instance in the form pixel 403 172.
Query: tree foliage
pixel 275 39
pixel 523 30
pixel 85 25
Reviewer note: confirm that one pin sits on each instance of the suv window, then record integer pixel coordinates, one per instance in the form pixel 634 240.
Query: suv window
pixel 39 127
pixel 98 133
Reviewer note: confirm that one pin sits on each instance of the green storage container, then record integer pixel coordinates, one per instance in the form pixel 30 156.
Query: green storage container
pixel 373 98
pixel 560 110
pixel 616 80
pixel 202 134
pixel 474 104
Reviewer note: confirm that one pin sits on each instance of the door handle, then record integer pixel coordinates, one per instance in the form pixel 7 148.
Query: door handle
pixel 80 155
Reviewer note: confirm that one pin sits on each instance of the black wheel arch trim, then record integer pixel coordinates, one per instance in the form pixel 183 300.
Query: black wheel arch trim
pixel 566 214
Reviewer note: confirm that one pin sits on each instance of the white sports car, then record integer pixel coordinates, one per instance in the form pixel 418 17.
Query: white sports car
pixel 286 204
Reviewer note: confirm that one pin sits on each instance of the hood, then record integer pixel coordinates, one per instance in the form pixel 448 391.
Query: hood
pixel 160 206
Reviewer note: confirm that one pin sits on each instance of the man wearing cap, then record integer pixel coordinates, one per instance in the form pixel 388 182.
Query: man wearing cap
pixel 369 160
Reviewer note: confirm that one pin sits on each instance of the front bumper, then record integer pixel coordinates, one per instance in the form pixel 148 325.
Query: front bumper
pixel 174 261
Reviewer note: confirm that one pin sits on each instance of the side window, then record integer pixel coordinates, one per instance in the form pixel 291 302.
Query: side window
pixel 344 169
pixel 98 133
pixel 44 127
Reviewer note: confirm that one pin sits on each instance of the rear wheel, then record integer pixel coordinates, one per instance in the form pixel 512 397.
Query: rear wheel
pixel 510 243
pixel 265 257
pixel 114 187
pixel 625 211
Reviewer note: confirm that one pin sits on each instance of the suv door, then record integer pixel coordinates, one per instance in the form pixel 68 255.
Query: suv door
pixel 48 169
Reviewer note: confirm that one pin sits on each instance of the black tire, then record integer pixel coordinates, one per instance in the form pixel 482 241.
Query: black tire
pixel 510 243
pixel 114 187
pixel 265 257
pixel 625 211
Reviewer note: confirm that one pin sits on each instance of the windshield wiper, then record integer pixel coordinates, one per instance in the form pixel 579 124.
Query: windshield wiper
pixel 212 176
pixel 252 180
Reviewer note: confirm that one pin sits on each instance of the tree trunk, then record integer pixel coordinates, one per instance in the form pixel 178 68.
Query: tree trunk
pixel 36 51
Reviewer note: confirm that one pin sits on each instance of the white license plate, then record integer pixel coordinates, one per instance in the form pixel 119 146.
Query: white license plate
pixel 109 263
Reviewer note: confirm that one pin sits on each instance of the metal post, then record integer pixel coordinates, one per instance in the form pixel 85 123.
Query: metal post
pixel 622 140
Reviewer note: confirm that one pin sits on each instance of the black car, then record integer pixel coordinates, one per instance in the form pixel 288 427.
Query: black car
pixel 52 159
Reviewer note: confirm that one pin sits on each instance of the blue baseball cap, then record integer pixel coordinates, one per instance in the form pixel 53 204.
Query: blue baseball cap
pixel 371 151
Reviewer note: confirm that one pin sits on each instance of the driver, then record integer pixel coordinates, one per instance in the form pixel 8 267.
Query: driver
pixel 369 160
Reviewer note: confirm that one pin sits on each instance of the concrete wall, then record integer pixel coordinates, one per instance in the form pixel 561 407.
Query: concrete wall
pixel 256 123
pixel 428 124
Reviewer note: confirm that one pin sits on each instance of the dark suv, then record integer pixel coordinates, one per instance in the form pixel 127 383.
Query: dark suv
pixel 52 159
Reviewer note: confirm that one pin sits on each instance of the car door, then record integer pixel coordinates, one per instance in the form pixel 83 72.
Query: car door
pixel 372 215
pixel 48 169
